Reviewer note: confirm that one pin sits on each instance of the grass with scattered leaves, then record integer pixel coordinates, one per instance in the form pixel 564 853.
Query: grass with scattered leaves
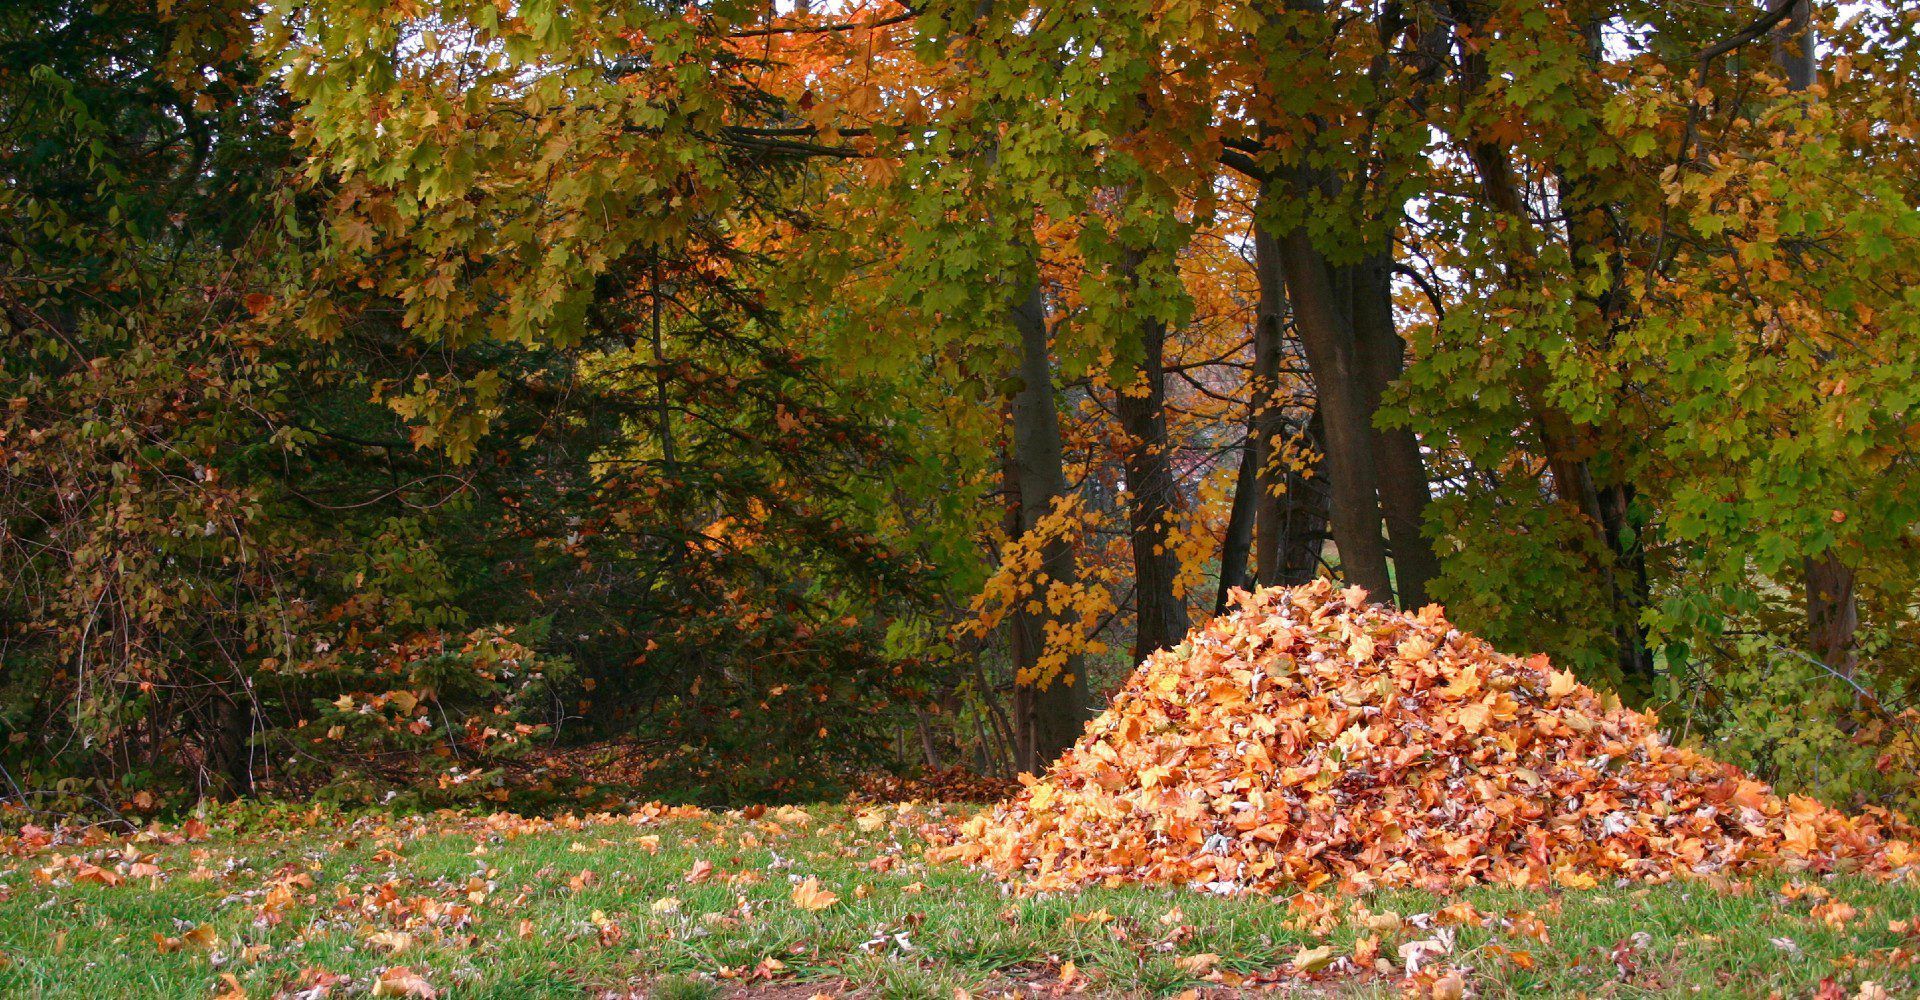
pixel 839 900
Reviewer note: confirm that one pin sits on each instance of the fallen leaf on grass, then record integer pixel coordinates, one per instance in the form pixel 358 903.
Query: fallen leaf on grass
pixel 1198 965
pixel 233 991
pixel 401 981
pixel 1313 959
pixel 1414 954
pixel 1835 914
pixel 202 938
pixel 94 873
pixel 391 942
pixel 809 896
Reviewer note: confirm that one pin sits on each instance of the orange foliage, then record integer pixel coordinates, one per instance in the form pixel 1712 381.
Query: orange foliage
pixel 1310 737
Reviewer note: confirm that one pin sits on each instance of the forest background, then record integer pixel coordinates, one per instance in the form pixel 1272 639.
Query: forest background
pixel 391 391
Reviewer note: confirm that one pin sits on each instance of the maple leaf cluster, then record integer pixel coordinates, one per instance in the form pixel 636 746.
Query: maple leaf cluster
pixel 1309 736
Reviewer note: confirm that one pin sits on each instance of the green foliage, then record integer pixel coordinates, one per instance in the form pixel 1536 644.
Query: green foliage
pixel 271 515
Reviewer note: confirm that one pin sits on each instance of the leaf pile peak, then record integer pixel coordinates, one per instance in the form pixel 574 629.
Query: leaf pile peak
pixel 1310 736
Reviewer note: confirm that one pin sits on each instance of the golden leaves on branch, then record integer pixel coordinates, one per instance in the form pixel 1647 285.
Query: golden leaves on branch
pixel 1309 737
pixel 1073 611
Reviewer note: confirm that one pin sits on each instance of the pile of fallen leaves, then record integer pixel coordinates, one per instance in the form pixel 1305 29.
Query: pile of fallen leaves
pixel 1310 737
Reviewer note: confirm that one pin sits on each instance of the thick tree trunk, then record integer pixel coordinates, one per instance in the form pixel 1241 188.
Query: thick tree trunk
pixel 1322 305
pixel 1794 46
pixel 1404 491
pixel 1046 709
pixel 1833 614
pixel 1291 504
pixel 234 748
pixel 1341 386
pixel 1153 499
pixel 1302 526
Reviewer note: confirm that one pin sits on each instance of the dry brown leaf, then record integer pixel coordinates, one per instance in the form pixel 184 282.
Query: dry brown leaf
pixel 401 981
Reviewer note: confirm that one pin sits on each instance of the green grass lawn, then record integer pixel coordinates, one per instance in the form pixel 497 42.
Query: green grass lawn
pixel 692 907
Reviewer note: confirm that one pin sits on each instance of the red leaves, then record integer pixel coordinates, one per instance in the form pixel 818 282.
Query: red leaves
pixel 1307 736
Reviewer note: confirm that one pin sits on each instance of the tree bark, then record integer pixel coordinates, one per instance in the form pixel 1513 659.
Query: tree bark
pixel 1236 548
pixel 1322 319
pixel 1404 492
pixel 234 747
pixel 1269 417
pixel 1290 512
pixel 1302 527
pixel 1833 614
pixel 1794 47
pixel 1153 498
pixel 1046 710
pixel 1340 383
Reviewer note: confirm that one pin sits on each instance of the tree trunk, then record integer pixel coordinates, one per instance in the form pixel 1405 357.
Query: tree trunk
pixel 1322 306
pixel 1833 612
pixel 234 747
pixel 1833 615
pixel 1340 384
pixel 1236 548
pixel 1794 46
pixel 1302 528
pixel 1046 709
pixel 1154 499
pixel 1291 510
pixel 1269 418
pixel 1403 471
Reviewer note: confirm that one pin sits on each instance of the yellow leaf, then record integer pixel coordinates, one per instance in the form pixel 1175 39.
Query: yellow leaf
pixel 392 942
pixel 809 896
pixel 1198 965
pixel 1313 959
